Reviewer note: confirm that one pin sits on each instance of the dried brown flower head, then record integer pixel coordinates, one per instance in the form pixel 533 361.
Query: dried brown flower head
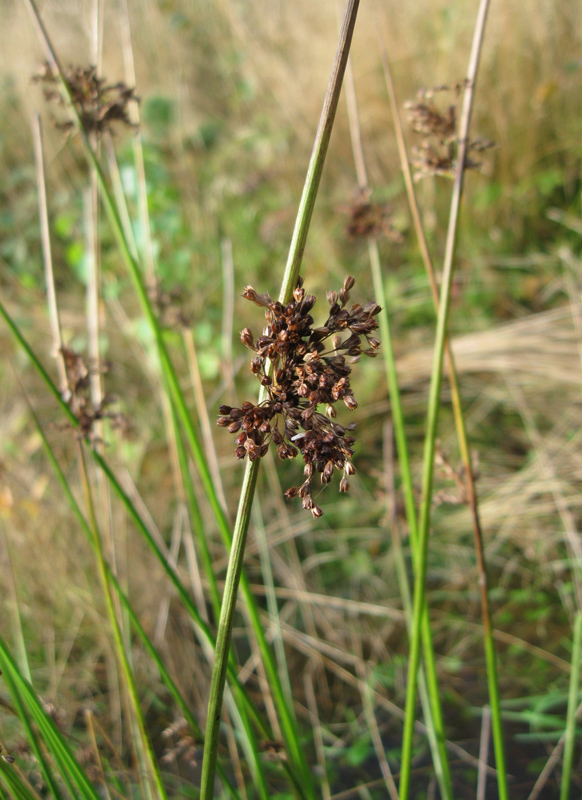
pixel 181 744
pixel 369 220
pixel 302 368
pixel 79 400
pixel 98 104
pixel 457 494
pixel 438 150
pixel 167 305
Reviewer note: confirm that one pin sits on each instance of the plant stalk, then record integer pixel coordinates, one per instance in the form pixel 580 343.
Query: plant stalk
pixel 429 450
pixel 289 282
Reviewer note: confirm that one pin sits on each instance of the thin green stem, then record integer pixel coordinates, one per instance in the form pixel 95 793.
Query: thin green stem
pixel 289 282
pixel 419 602
pixel 430 691
pixel 458 415
pixel 570 733
pixel 122 656
pixel 430 695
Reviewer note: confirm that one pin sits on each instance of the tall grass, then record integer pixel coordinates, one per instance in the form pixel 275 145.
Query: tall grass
pixel 248 681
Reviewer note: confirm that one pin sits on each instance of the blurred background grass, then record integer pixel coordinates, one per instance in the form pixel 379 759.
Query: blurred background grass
pixel 230 97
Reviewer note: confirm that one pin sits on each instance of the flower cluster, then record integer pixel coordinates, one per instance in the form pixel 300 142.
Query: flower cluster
pixel 302 368
pixel 98 104
pixel 438 151
pixel 368 220
pixel 78 397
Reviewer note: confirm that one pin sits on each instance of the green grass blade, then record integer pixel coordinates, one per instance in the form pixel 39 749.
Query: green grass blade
pixel 429 692
pixel 11 779
pixel 570 733
pixel 69 768
pixel 190 607
pixel 31 734
pixel 433 712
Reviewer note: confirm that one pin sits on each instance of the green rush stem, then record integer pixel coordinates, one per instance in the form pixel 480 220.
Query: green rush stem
pixel 429 688
pixel 297 756
pixel 429 692
pixel 104 574
pixel 289 282
pixel 430 695
pixel 419 602
pixel 462 436
pixel 570 733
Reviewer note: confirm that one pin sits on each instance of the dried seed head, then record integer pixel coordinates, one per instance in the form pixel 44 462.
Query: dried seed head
pixel 311 369
pixel 97 103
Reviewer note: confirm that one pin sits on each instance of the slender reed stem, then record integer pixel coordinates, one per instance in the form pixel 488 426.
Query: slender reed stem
pixel 429 450
pixel 495 708
pixel 570 734
pixel 290 276
pixel 47 253
pixel 122 655
pixel 430 699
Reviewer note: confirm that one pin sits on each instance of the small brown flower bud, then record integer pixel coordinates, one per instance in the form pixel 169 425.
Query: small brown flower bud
pixel 349 282
pixel 372 308
pixel 344 485
pixel 308 303
pixel 332 298
pixel 224 409
pixel 316 511
pixel 298 294
pixel 350 402
pixel 246 338
pixel 234 426
pixel 223 422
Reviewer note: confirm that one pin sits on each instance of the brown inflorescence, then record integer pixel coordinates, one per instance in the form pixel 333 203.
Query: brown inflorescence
pixel 303 368
pixel 368 220
pixel 438 151
pixel 98 103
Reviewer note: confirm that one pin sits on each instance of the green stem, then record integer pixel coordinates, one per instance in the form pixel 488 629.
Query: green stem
pixel 457 411
pixel 570 734
pixel 289 282
pixel 430 689
pixel 430 695
pixel 429 449
pixel 104 573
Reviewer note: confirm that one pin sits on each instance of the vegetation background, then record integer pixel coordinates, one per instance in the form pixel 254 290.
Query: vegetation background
pixel 230 94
